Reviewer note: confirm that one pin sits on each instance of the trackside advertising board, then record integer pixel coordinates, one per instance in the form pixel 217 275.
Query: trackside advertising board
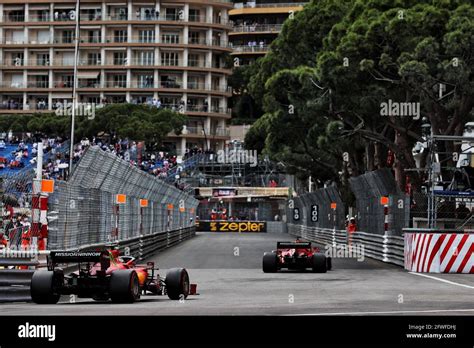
pixel 231 226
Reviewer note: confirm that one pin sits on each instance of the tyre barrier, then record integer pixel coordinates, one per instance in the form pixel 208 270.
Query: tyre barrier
pixel 388 249
pixel 15 283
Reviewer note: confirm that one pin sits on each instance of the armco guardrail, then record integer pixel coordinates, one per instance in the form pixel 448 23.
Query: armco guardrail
pixel 15 283
pixel 383 248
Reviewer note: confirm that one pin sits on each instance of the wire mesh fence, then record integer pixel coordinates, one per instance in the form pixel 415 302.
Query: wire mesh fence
pixel 323 208
pixel 373 215
pixel 85 210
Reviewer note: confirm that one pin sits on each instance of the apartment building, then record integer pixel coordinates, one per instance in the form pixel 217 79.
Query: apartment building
pixel 255 24
pixel 137 51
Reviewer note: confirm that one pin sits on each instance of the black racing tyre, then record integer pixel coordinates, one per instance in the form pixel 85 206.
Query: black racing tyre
pixel 319 263
pixel 124 286
pixel 43 288
pixel 177 283
pixel 270 263
pixel 329 263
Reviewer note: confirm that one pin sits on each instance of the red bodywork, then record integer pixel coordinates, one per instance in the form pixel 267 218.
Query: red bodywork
pixel 147 278
pixel 295 254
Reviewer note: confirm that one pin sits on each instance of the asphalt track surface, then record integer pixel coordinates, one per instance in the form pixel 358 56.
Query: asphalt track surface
pixel 227 268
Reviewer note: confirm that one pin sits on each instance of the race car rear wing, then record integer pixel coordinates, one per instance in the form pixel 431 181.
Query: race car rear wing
pixel 73 256
pixel 293 245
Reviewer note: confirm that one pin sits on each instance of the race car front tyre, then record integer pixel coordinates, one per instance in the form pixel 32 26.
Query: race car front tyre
pixel 270 263
pixel 329 263
pixel 42 288
pixel 319 263
pixel 124 286
pixel 177 284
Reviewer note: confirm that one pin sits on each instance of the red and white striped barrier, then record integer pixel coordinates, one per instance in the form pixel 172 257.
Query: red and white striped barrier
pixel 439 252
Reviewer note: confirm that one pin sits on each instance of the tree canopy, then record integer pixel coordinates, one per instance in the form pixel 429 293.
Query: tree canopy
pixel 332 67
pixel 136 122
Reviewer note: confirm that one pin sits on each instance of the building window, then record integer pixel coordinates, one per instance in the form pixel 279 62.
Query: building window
pixel 42 59
pixel 169 58
pixel 120 36
pixel 146 36
pixel 120 81
pixel 93 36
pixel 146 58
pixel 194 37
pixel 93 58
pixel 145 81
pixel 170 38
pixel 193 59
pixel 194 15
pixel 68 36
pixel 120 58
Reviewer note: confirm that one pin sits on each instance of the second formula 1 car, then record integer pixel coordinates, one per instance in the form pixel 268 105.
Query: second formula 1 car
pixel 104 275
pixel 296 256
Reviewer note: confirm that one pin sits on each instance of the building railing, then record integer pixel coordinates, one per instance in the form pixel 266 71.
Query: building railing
pixel 240 28
pixel 258 48
pixel 109 62
pixel 276 4
pixel 196 130
pixel 18 105
pixel 86 17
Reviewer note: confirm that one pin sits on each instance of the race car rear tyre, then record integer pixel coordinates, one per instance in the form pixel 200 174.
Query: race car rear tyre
pixel 270 263
pixel 177 283
pixel 43 288
pixel 319 263
pixel 124 286
pixel 329 263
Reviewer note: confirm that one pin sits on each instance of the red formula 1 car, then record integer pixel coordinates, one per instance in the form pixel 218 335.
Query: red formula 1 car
pixel 296 255
pixel 104 275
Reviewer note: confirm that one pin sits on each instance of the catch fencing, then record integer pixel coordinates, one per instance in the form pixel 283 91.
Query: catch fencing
pixel 381 212
pixel 323 208
pixel 375 216
pixel 85 210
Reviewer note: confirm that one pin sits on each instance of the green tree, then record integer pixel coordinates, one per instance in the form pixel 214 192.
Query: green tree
pixel 137 122
pixel 362 55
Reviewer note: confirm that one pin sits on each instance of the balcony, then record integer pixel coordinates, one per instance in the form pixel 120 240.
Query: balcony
pixel 117 17
pixel 12 18
pixel 257 28
pixel 142 61
pixel 196 108
pixel 250 49
pixel 90 62
pixel 64 16
pixel 38 84
pixel 208 87
pixel 115 84
pixel 11 84
pixel 40 17
pixel 9 62
pixel 171 84
pixel 63 84
pixel 277 4
pixel 198 130
pixel 12 41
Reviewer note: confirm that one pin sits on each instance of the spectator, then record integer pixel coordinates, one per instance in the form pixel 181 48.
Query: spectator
pixel 351 228
pixel 462 212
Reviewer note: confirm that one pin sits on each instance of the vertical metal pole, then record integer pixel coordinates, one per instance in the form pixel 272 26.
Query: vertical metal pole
pixel 74 86
pixel 39 161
